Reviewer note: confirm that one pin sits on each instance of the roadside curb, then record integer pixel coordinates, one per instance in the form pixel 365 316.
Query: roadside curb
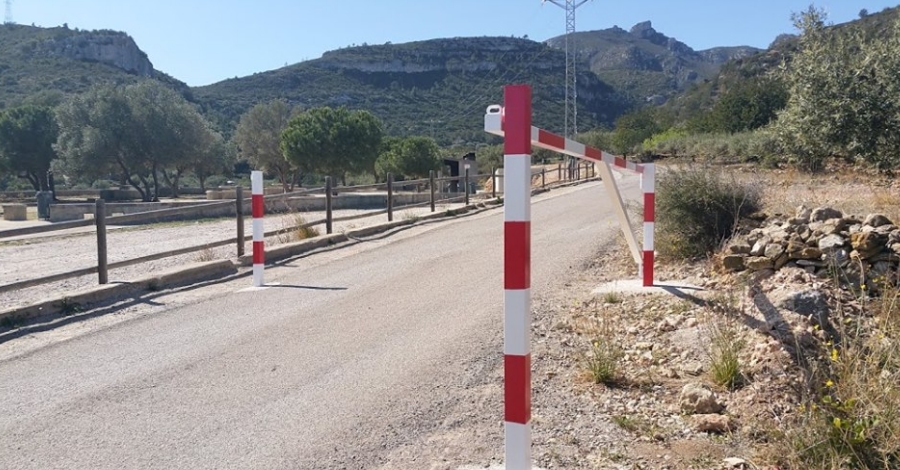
pixel 72 303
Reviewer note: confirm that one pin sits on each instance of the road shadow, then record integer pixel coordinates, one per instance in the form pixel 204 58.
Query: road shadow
pixel 289 286
pixel 138 296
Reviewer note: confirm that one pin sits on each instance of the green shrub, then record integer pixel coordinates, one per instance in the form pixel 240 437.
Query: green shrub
pixel 742 146
pixel 697 208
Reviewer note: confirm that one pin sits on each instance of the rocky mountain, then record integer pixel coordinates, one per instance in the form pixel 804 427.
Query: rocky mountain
pixel 645 64
pixel 44 64
pixel 107 47
pixel 439 87
pixel 702 96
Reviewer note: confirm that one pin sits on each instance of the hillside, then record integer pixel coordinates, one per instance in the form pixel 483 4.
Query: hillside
pixel 43 64
pixel 702 96
pixel 646 64
pixel 439 87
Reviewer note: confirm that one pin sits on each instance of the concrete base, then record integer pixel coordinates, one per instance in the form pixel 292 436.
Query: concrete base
pixel 15 212
pixel 635 286
pixel 182 275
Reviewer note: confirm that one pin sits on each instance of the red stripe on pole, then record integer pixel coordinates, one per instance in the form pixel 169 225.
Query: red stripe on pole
pixel 517 120
pixel 649 207
pixel 620 162
pixel 593 153
pixel 259 206
pixel 648 268
pixel 259 253
pixel 517 392
pixel 553 140
pixel 517 255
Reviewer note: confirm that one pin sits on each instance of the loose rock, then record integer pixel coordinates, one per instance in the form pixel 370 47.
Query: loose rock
pixel 698 399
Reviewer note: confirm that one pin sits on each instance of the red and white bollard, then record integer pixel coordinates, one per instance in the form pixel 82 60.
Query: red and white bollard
pixel 517 276
pixel 648 185
pixel 259 249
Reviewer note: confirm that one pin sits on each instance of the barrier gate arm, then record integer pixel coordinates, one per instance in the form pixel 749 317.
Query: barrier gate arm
pixel 493 124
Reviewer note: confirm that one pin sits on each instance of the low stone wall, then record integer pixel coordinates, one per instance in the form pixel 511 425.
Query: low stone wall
pixel 824 242
pixel 16 212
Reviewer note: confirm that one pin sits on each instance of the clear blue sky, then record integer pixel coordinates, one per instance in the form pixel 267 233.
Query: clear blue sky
pixel 204 41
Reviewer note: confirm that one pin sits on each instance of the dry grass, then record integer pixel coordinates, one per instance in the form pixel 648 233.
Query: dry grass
pixel 205 255
pixel 603 360
pixel 850 417
pixel 294 230
pixel 843 187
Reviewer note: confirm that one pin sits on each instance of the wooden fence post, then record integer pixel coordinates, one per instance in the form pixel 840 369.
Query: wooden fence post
pixel 328 215
pixel 100 220
pixel 239 207
pixel 390 197
pixel 431 185
pixel 466 181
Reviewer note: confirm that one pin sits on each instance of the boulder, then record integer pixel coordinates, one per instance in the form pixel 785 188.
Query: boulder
pixel 810 302
pixel 759 263
pixel 877 220
pixel 696 399
pixel 831 242
pixel 759 248
pixel 867 241
pixel 821 214
pixel 739 247
pixel 714 423
pixel 773 250
pixel 734 262
pixel 803 213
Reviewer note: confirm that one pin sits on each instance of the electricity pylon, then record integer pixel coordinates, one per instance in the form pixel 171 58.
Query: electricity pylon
pixel 8 18
pixel 571 124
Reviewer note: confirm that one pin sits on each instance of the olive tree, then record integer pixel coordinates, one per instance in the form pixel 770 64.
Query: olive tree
pixel 134 131
pixel 258 139
pixel 844 94
pixel 27 135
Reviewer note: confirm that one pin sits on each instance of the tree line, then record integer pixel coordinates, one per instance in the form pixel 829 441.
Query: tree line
pixel 147 136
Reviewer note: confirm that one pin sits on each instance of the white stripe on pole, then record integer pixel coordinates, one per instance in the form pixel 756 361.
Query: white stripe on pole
pixel 518 445
pixel 517 338
pixel 517 187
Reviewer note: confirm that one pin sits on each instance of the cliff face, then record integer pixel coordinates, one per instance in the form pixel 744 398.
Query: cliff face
pixel 108 47
pixel 437 87
pixel 646 63
pixel 437 55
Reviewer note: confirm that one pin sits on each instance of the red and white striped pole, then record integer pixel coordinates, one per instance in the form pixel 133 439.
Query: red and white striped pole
pixel 259 249
pixel 648 186
pixel 517 276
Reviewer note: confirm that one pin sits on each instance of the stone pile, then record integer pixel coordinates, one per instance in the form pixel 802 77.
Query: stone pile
pixel 824 242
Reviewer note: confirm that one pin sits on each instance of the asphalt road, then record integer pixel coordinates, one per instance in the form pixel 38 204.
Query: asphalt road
pixel 350 359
